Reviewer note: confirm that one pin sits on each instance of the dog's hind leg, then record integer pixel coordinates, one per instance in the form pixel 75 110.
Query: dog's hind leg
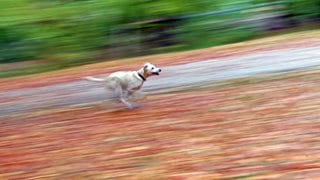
pixel 122 96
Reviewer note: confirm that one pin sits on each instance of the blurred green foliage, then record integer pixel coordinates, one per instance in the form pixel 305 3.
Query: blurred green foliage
pixel 73 32
pixel 304 9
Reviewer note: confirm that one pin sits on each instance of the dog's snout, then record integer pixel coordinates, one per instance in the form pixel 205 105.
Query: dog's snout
pixel 160 70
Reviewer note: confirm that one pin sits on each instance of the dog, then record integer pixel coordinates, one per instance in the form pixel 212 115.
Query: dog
pixel 125 83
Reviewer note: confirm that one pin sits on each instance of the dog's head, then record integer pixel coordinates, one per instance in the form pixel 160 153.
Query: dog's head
pixel 151 69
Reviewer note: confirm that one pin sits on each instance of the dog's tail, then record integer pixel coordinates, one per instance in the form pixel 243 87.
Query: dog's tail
pixel 90 78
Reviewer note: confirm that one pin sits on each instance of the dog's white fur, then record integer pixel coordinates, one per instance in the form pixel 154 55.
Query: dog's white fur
pixel 126 83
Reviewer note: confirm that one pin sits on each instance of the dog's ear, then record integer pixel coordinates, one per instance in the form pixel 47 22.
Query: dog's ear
pixel 145 66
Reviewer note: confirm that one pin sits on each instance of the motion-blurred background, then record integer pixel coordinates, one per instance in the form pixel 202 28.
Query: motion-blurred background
pixel 246 110
pixel 47 35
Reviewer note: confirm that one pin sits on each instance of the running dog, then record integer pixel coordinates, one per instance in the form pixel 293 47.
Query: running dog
pixel 125 83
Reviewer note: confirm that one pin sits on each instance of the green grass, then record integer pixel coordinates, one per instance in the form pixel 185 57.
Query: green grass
pixel 30 70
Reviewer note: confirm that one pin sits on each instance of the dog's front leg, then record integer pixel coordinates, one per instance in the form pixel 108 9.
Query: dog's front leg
pixel 125 102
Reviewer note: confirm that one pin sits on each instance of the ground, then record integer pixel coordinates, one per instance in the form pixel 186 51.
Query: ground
pixel 257 127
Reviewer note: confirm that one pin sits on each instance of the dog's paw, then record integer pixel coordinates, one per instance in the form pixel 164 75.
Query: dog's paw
pixel 131 107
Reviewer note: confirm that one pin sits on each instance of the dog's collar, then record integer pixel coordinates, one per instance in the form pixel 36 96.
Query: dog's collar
pixel 143 78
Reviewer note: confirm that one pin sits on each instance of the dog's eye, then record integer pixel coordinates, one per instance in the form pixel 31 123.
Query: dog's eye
pixel 152 68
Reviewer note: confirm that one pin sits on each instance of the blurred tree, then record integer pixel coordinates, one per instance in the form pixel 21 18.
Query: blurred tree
pixel 304 9
pixel 75 31
pixel 57 29
pixel 299 8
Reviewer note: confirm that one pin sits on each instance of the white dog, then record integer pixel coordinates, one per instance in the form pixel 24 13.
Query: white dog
pixel 125 83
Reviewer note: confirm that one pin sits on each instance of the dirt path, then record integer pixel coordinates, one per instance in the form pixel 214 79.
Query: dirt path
pixel 250 116
pixel 195 74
